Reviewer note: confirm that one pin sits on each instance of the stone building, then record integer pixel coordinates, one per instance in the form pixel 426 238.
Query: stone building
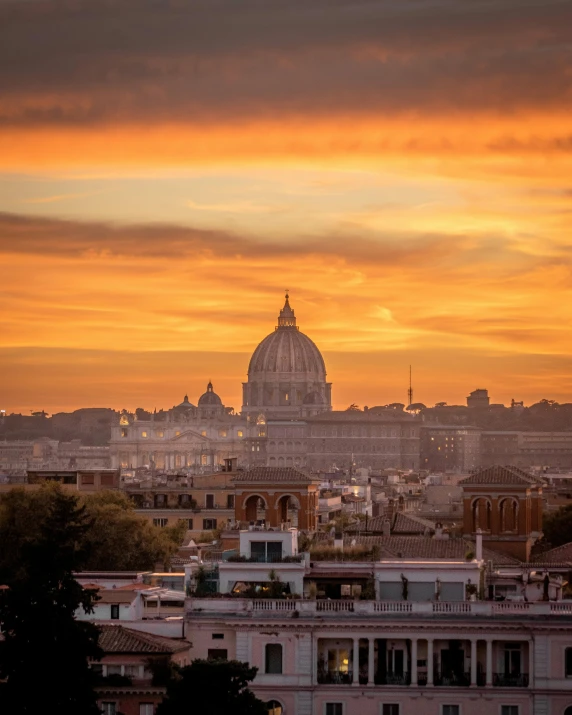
pixel 286 374
pixel 186 437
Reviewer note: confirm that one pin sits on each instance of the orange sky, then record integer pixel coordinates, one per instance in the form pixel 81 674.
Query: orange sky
pixel 168 169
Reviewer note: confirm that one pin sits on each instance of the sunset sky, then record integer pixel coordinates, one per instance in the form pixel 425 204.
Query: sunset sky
pixel 169 168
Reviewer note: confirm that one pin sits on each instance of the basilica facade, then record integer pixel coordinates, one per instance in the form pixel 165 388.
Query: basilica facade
pixel 286 420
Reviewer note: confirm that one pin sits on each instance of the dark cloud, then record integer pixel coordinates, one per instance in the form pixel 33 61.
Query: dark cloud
pixel 89 61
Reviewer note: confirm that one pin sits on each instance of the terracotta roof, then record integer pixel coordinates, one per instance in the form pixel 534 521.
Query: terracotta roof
pixel 271 474
pixel 401 524
pixel 500 475
pixel 559 555
pixel 118 639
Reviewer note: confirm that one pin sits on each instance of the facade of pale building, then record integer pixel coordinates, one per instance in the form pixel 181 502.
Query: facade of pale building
pixel 186 437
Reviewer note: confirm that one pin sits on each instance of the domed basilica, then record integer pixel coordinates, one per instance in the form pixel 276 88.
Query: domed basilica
pixel 286 374
pixel 286 420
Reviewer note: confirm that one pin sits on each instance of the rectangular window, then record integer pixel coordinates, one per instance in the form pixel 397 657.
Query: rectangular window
pixel 113 670
pixel 114 611
pixel 334 709
pixel 124 432
pixel 509 709
pixel 209 524
pixel 107 480
pixel 218 636
pixel 146 708
pixel 390 709
pixel 132 671
pixel 450 710
pixel 568 662
pixel 240 433
pixel 109 708
pixel 222 433
pixel 88 479
pixel 144 434
pixel 273 658
pixel 190 524
pixel 160 522
pixel 217 654
pixel 209 501
pixel 230 501
pixel 159 433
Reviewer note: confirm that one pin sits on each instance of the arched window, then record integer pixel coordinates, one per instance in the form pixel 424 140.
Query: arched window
pixel 273 658
pixel 274 707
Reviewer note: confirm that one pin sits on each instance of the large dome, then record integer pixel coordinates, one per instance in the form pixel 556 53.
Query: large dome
pixel 287 350
pixel 285 368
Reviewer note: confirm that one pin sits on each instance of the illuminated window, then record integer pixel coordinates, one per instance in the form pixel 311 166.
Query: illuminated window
pixel 159 433
pixel 203 433
pixel 222 433
pixel 239 433
pixel 124 432
pixel 177 433
pixel 144 434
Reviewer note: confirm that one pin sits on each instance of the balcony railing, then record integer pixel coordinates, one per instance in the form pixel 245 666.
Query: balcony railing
pixel 504 680
pixel 390 678
pixel 266 559
pixel 460 679
pixel 391 609
pixel 335 677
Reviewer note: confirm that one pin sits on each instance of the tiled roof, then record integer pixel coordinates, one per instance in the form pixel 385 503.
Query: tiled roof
pixel 359 416
pixel 500 475
pixel 401 524
pixel 271 474
pixel 559 555
pixel 118 639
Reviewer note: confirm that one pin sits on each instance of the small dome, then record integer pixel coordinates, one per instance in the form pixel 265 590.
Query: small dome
pixel 185 404
pixel 209 397
pixel 314 398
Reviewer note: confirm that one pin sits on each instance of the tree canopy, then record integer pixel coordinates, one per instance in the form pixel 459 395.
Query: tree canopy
pixel 117 538
pixel 557 527
pixel 45 652
pixel 212 688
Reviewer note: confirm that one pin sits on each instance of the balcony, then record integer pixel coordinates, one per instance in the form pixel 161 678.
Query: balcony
pixel 515 680
pixel 452 679
pixel 265 559
pixel 393 679
pixel 335 677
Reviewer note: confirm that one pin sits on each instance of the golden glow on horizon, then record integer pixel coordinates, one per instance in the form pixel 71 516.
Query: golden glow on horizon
pixel 410 183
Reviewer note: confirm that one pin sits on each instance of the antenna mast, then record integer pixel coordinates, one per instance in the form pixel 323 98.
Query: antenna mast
pixel 410 390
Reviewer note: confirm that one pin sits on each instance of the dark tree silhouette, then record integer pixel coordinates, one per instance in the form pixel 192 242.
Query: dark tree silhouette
pixel 212 688
pixel 45 652
pixel 557 527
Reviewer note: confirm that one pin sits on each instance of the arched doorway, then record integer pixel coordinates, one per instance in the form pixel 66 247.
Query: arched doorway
pixel 255 508
pixel 288 507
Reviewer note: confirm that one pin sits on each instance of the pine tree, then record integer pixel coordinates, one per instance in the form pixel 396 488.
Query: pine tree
pixel 45 651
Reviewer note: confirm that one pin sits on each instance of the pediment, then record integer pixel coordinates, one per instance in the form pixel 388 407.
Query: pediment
pixel 190 436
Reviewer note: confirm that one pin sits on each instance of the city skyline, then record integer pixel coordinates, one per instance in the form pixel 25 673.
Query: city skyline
pixel 402 168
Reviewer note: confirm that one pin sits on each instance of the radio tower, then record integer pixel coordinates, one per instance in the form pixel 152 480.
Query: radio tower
pixel 410 390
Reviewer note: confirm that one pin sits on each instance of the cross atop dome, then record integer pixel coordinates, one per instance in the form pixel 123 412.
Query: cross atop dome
pixel 287 319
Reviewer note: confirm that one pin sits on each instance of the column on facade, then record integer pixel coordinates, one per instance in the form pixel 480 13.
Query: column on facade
pixel 530 663
pixel 414 661
pixel 371 662
pixel 489 665
pixel 429 661
pixel 355 662
pixel 473 661
pixel 315 657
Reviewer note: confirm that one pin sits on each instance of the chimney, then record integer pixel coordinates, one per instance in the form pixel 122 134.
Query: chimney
pixel 479 545
pixel 390 509
pixel 386 527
